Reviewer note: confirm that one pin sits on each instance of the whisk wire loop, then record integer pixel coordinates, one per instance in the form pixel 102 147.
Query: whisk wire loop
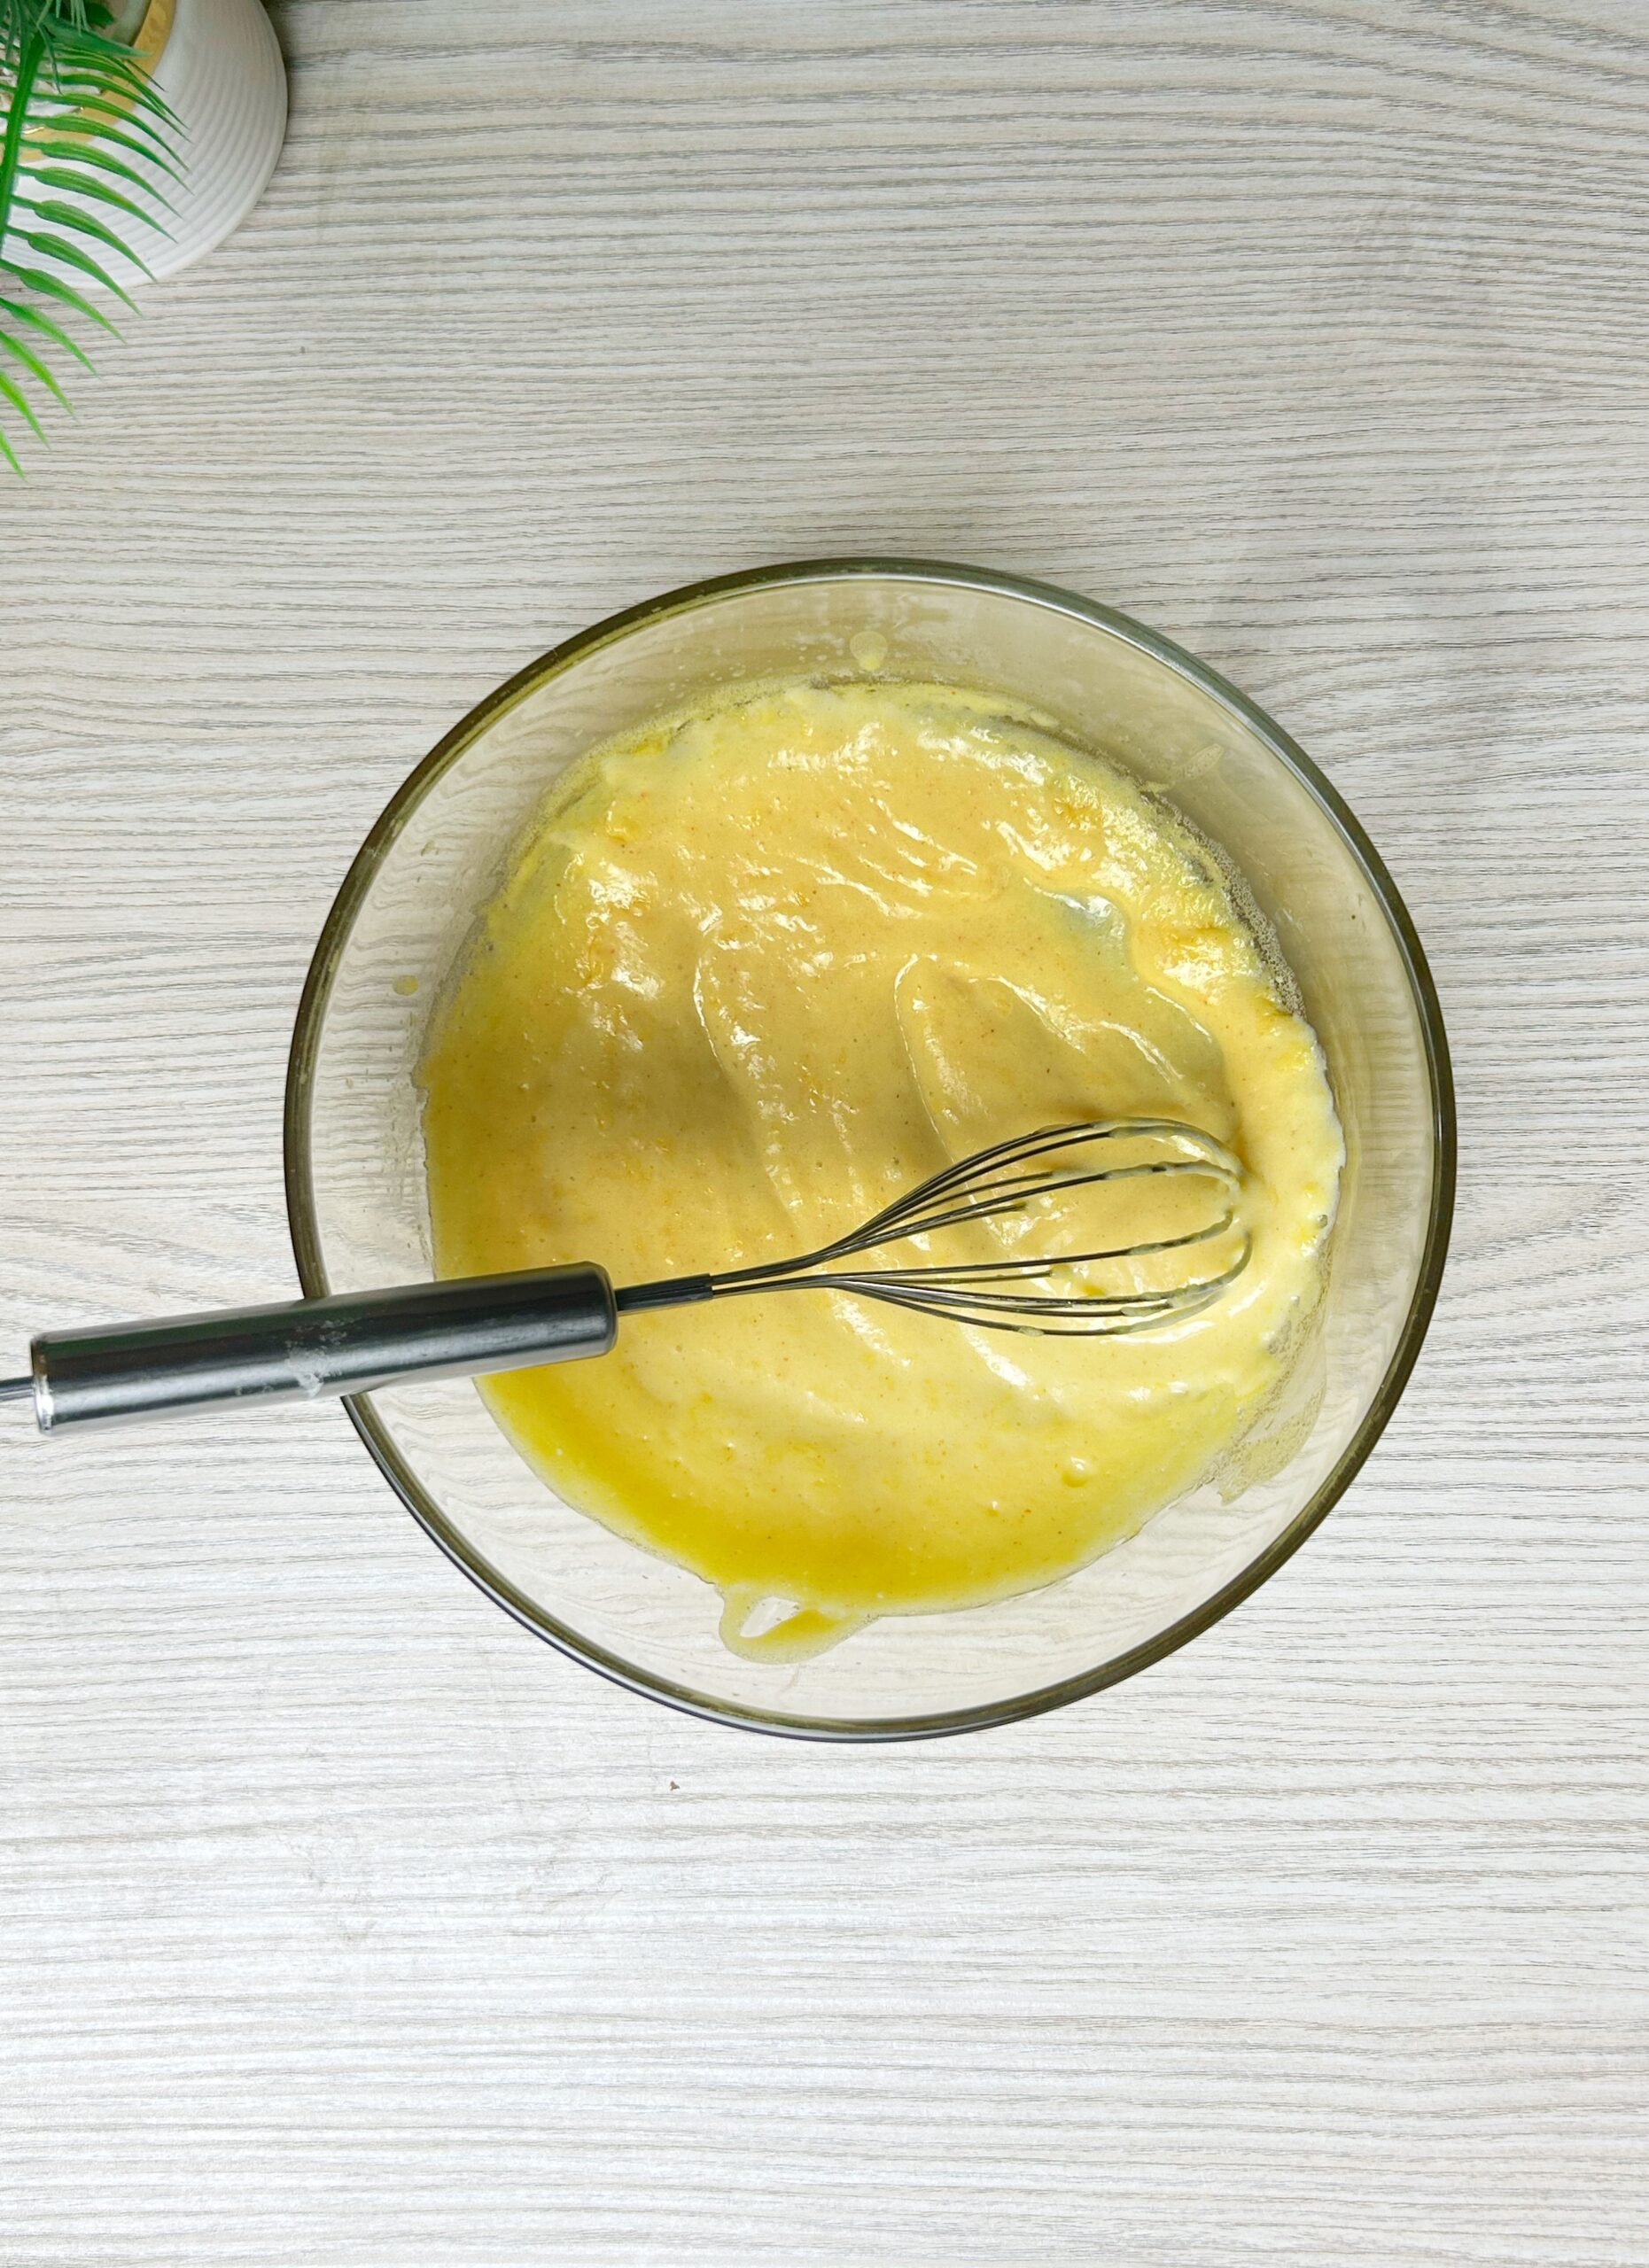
pixel 1012 1292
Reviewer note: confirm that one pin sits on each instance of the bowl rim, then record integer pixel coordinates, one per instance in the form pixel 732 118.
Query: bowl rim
pixel 301 1192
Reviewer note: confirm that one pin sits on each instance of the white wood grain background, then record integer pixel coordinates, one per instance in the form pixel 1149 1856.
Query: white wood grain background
pixel 341 1922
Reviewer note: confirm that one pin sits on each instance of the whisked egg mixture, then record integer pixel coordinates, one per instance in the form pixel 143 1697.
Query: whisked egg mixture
pixel 759 969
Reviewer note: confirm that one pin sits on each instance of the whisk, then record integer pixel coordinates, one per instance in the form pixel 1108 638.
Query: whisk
pixel 355 1342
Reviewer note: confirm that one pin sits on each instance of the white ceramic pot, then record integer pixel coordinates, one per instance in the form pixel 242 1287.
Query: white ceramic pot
pixel 218 65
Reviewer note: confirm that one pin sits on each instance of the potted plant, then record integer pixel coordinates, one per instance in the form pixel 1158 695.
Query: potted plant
pixel 135 134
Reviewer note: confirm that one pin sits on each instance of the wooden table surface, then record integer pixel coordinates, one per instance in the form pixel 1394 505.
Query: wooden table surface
pixel 341 1921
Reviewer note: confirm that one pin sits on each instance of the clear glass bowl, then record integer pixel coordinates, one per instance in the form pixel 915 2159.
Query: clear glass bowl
pixel 355 1171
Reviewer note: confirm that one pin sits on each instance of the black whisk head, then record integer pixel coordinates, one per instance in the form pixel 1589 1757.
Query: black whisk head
pixel 1053 1290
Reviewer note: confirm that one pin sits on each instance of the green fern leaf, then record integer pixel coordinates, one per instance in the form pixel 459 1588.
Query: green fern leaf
pixel 124 84
pixel 99 101
pixel 66 216
pixel 81 153
pixel 31 362
pixel 18 400
pixel 89 185
pixel 59 248
pixel 21 312
pixel 52 287
pixel 86 140
pixel 110 137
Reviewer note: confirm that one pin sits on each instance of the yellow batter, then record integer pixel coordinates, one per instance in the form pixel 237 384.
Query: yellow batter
pixel 760 969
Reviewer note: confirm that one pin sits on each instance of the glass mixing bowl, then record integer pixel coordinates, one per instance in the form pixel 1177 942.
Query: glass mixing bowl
pixel 354 1171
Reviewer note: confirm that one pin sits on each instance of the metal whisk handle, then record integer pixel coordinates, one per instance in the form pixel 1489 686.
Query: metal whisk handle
pixel 360 1340
pixel 300 1348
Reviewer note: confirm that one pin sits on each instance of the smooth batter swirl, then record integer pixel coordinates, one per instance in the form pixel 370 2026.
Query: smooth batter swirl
pixel 761 969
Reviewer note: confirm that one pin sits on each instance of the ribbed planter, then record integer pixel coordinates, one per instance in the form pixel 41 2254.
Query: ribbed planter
pixel 218 65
